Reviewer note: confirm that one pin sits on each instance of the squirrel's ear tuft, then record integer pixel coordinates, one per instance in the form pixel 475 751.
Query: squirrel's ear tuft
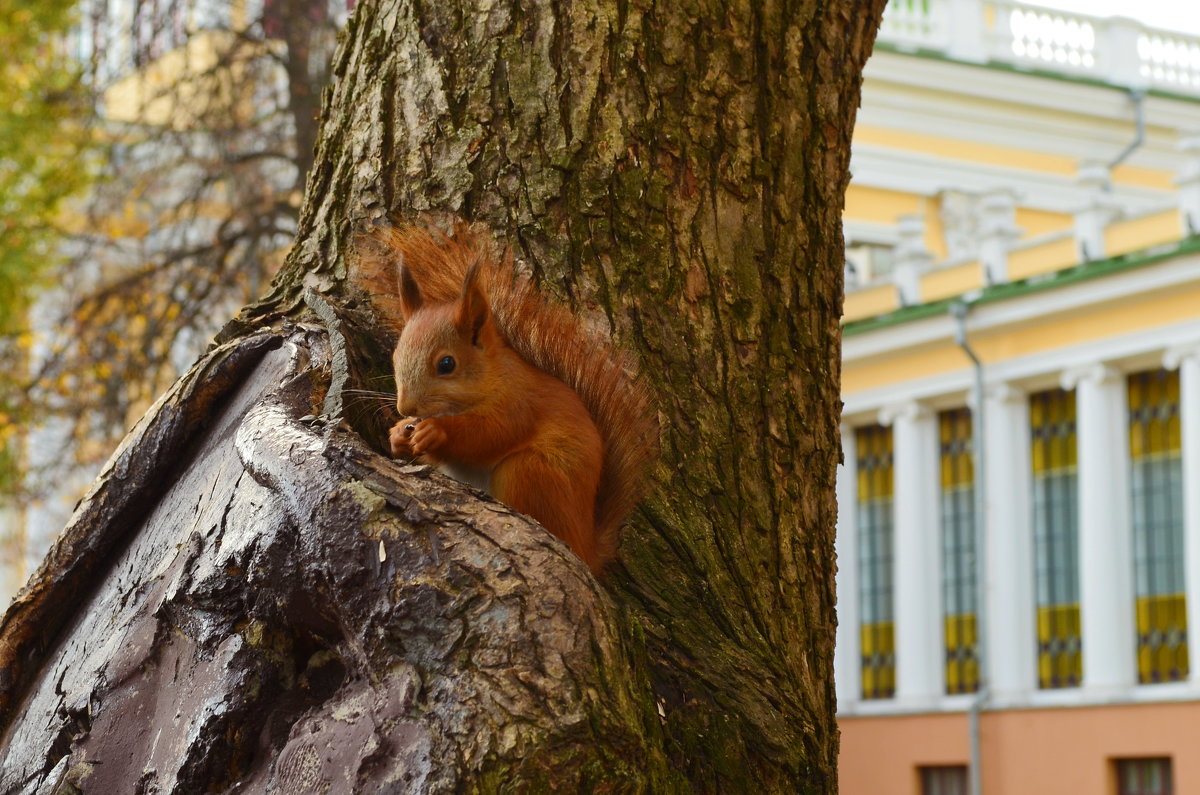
pixel 410 294
pixel 473 306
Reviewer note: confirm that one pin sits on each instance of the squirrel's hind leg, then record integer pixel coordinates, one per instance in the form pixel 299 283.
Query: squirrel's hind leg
pixel 565 506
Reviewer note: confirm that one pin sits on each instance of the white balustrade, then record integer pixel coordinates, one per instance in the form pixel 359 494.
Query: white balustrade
pixel 1118 50
pixel 916 24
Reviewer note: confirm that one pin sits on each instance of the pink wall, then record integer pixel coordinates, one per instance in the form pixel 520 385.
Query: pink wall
pixel 1025 752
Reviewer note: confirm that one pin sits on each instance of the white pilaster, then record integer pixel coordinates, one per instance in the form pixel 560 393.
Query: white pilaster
pixel 847 654
pixel 1105 543
pixel 1011 642
pixel 1186 358
pixel 920 667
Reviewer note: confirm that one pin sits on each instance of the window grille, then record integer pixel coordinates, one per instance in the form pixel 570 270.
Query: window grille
pixel 958 551
pixel 947 780
pixel 1056 537
pixel 875 537
pixel 1144 777
pixel 1157 499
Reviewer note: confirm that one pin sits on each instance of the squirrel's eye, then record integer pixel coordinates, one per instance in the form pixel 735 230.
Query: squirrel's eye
pixel 445 365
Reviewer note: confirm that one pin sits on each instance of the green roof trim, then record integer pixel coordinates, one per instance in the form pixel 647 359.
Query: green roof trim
pixel 1027 286
pixel 1032 71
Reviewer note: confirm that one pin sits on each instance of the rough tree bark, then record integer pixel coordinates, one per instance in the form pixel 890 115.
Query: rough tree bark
pixel 252 599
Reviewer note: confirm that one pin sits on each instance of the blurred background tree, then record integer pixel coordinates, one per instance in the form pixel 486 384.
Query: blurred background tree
pixel 45 145
pixel 202 115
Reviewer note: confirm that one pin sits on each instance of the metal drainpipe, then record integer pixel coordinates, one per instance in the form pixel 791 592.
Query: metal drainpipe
pixel 959 310
pixel 1138 97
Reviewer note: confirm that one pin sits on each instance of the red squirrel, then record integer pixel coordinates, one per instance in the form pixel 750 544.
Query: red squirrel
pixel 505 390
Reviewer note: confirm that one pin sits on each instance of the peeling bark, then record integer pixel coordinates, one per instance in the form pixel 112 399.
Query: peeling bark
pixel 253 600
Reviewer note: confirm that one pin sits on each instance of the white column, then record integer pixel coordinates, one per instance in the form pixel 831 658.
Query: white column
pixel 1105 542
pixel 920 666
pixel 847 663
pixel 1188 182
pixel 1011 643
pixel 1187 359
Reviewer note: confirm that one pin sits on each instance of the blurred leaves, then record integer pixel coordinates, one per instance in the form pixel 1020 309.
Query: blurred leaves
pixel 206 122
pixel 45 141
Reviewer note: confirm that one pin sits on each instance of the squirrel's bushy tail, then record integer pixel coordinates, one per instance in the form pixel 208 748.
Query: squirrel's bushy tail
pixel 546 335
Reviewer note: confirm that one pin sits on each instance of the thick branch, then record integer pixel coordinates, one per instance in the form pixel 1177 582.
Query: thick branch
pixel 318 616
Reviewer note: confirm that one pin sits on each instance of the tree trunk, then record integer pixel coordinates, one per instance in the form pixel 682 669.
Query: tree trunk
pixel 257 601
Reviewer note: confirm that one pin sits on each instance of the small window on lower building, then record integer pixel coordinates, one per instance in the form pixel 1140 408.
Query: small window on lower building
pixel 947 780
pixel 1144 777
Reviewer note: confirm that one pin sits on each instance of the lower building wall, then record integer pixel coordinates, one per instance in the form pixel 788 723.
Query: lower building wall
pixel 1025 752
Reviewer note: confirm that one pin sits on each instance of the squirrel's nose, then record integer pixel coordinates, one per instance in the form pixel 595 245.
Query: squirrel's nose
pixel 406 405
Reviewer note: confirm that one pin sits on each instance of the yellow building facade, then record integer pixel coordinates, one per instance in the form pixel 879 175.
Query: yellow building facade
pixel 1019 509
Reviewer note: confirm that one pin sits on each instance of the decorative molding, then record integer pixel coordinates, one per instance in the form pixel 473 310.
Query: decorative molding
pixel 1168 275
pixel 912 259
pixel 1188 181
pixel 1096 373
pixel 1175 355
pixel 960 224
pixel 1136 350
pixel 934 88
pixel 927 174
pixel 856 232
pixel 998 232
pixel 1004 393
pixel 909 410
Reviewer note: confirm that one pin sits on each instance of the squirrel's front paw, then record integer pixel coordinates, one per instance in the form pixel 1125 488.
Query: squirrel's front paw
pixel 400 437
pixel 426 437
